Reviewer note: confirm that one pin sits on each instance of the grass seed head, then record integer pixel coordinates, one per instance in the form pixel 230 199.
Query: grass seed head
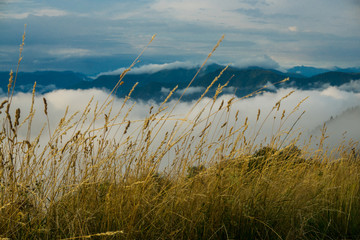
pixel 10 81
pixel 127 127
pixel 45 106
pixel 17 117
pixel 258 115
pixel 3 104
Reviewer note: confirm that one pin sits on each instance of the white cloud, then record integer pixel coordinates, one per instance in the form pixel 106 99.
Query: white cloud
pixel 190 28
pixel 276 15
pixel 179 92
pixel 165 90
pixel 353 85
pixel 264 61
pixel 332 92
pixel 229 90
pixel 343 126
pixel 49 12
pixel 270 86
pixel 318 109
pixel 45 12
pixel 190 90
pixel 293 29
pixel 219 13
pixel 151 68
pixel 70 52
pixel 11 1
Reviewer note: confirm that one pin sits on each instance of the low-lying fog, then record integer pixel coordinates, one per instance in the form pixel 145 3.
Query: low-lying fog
pixel 340 110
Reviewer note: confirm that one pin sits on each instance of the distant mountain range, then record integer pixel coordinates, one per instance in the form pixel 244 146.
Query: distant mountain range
pixel 157 85
pixel 312 71
pixel 46 81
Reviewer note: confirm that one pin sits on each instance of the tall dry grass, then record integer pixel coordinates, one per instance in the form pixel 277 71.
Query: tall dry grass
pixel 107 182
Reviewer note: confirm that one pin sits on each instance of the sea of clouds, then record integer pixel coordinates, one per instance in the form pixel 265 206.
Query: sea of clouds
pixel 337 107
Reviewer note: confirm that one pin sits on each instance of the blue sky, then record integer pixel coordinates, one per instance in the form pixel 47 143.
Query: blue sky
pixel 101 36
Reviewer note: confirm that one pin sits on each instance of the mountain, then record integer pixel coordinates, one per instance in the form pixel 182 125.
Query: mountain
pixel 347 70
pixel 248 78
pixel 329 78
pixel 149 83
pixel 307 71
pixel 241 81
pixel 312 71
pixel 157 85
pixel 45 80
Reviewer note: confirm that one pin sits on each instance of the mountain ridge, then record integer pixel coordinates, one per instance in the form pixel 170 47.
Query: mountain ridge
pixel 151 85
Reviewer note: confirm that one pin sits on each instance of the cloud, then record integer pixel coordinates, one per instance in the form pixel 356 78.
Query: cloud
pixel 264 61
pixel 353 85
pixel 355 2
pixel 39 88
pixel 49 12
pixel 44 12
pixel 70 52
pixel 152 68
pixel 270 86
pixel 190 91
pixel 187 30
pixel 293 29
pixel 318 108
pixel 13 1
pixel 332 92
pixel 344 126
pixel 229 90
pixel 165 91
pixel 260 15
pixel 204 12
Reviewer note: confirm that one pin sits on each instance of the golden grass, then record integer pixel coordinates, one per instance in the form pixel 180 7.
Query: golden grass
pixel 84 183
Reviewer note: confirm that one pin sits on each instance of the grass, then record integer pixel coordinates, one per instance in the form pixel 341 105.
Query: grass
pixel 107 182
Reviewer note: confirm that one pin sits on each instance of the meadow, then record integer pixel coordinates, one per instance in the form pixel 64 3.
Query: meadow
pixel 100 175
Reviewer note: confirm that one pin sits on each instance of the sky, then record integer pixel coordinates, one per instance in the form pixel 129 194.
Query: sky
pixel 102 36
